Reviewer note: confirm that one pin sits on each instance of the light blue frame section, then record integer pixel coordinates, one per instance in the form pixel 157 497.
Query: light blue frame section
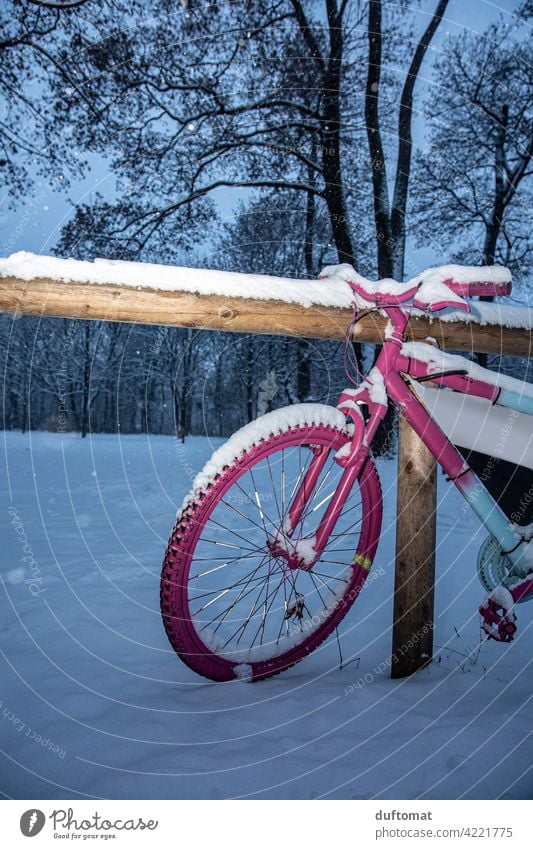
pixel 516 400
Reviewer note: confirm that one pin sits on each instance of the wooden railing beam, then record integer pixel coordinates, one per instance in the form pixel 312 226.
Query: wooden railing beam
pixel 241 315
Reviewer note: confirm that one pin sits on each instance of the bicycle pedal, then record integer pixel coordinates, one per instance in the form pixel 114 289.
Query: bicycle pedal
pixel 499 626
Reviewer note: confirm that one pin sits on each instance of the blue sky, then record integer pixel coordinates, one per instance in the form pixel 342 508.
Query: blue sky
pixel 36 223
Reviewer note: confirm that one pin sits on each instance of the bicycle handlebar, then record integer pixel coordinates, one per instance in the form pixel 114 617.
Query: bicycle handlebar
pixel 434 289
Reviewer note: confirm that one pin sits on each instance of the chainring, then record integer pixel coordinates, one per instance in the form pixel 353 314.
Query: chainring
pixel 494 568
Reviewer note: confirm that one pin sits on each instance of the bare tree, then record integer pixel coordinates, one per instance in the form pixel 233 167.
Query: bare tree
pixel 249 101
pixel 475 177
pixel 390 216
pixel 30 141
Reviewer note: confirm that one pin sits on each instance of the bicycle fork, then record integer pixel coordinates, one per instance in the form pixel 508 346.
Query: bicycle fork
pixel 304 557
pixel 303 554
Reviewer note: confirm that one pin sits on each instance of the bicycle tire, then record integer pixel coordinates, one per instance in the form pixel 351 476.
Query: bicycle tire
pixel 303 426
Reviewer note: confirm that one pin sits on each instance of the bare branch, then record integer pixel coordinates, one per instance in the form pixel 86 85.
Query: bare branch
pixel 405 144
pixel 159 215
pixel 57 4
pixel 375 143
pixel 307 34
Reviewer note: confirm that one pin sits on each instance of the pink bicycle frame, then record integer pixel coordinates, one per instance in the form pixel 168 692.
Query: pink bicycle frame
pixel 391 364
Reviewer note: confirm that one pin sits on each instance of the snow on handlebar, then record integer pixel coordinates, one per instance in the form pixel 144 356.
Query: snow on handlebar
pixel 433 289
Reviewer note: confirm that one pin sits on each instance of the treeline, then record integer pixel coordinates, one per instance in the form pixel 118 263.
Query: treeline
pixel 71 375
pixel 91 377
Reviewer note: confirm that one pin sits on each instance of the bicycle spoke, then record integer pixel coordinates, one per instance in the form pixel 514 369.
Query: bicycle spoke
pixel 235 584
pixel 264 605
pixel 242 599
pixel 274 489
pixel 283 483
pixel 336 562
pixel 303 471
pixel 212 600
pixel 308 510
pixel 345 530
pixel 243 515
pixel 224 528
pixel 225 563
pixel 265 612
pixel 241 595
pixel 242 628
pixel 225 544
pixel 256 503
pixel 316 587
pixel 284 620
pixel 247 621
pixel 331 577
pixel 266 609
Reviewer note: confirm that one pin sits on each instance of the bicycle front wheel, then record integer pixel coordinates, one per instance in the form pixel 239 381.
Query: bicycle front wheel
pixel 230 607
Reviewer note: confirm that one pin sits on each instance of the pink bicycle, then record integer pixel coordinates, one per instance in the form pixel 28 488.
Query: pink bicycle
pixel 275 540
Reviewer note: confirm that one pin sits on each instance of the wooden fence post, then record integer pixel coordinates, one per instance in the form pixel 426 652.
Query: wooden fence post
pixel 412 634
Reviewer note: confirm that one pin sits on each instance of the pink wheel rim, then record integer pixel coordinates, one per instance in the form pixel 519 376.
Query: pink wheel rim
pixel 181 622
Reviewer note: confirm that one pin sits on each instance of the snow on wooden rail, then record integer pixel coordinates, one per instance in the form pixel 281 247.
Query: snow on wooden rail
pixel 253 303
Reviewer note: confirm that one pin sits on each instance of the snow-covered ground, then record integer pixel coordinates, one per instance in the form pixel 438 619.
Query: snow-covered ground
pixel 94 703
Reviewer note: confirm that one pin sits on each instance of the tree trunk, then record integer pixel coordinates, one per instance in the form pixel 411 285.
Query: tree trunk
pixel 405 145
pixel 217 396
pixel 493 228
pixel 86 384
pixel 303 367
pixel 303 373
pixel 331 141
pixel 390 222
pixel 249 377
pixel 375 144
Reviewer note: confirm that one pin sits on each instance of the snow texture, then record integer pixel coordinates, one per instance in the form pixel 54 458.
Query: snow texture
pixel 243 657
pixel 305 548
pixel 502 597
pixel 431 285
pixel 347 274
pixel 525 531
pixel 374 384
pixel 345 450
pixel 331 290
pixel 28 266
pixel 463 274
pixel 243 671
pixel 376 387
pixel 440 361
pixel 486 314
pixel 431 276
pixel 85 663
pixel 262 428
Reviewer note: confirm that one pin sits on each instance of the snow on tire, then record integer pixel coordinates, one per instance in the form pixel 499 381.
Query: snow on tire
pixel 231 608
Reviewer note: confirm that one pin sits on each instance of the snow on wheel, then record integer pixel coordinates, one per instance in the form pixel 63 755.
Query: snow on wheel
pixel 232 607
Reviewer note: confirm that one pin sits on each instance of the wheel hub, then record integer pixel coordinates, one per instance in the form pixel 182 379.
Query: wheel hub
pixel 287 553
